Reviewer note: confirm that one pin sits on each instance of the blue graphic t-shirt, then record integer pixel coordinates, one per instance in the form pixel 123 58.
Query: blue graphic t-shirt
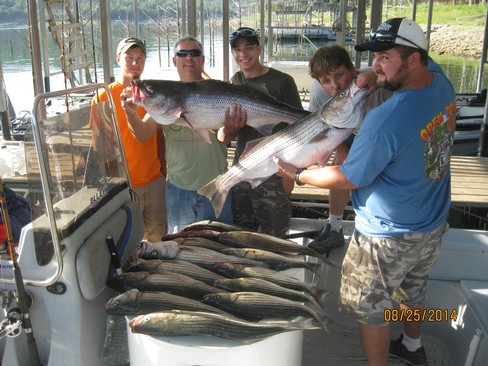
pixel 400 161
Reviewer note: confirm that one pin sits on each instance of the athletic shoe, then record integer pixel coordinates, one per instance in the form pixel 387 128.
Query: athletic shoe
pixel 327 239
pixel 415 358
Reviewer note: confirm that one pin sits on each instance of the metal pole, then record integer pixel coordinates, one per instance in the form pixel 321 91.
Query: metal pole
pixel 108 70
pixel 44 47
pixel 225 39
pixel 270 33
pixel 35 48
pixel 483 147
pixel 4 109
pixel 261 30
pixel 360 29
pixel 429 22
pixel 483 56
pixel 22 299
pixel 136 18
pixel 192 18
pixel 376 9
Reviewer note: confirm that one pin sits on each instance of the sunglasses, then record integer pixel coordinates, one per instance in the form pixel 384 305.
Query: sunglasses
pixel 184 53
pixel 381 36
pixel 242 32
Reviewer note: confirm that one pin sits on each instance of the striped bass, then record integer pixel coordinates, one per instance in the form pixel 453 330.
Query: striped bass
pixel 259 306
pixel 191 323
pixel 237 270
pixel 201 105
pixel 275 261
pixel 135 302
pixel 200 256
pixel 177 266
pixel 309 141
pixel 251 239
pixel 251 284
pixel 174 283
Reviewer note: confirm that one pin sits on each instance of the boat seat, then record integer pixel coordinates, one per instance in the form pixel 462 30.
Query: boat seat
pixel 462 246
pixel 93 262
pixel 476 293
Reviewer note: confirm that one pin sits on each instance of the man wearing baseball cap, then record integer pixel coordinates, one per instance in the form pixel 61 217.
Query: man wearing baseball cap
pixel 266 208
pixel 145 157
pixel 399 173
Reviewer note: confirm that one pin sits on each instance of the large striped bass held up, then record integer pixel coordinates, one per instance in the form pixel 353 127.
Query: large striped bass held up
pixel 309 141
pixel 201 105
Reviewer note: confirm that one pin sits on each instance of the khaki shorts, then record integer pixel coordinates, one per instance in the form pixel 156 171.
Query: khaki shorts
pixel 377 270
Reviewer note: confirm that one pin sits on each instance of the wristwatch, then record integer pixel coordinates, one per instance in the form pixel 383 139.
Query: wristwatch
pixel 297 177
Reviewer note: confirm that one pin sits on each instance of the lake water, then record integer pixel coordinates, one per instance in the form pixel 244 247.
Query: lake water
pixel 16 64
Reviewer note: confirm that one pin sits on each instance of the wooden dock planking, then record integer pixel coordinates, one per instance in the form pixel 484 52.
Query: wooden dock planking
pixel 469 183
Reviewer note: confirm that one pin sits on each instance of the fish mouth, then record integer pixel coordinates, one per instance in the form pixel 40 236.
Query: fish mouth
pixel 138 95
pixel 356 91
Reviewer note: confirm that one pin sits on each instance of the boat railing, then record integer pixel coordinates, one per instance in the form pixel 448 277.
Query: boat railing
pixel 75 164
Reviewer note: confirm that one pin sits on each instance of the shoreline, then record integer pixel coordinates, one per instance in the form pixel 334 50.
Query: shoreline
pixel 456 41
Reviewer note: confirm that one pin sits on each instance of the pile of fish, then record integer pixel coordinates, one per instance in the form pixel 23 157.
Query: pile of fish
pixel 218 280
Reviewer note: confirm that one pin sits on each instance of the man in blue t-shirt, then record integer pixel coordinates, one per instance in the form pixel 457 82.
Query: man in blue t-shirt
pixel 399 173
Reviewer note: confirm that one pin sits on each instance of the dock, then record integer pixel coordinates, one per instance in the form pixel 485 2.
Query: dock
pixel 469 183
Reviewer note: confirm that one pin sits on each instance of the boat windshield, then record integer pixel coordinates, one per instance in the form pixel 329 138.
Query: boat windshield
pixel 74 163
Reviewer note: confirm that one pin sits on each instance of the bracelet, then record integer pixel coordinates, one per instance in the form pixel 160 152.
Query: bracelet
pixel 297 177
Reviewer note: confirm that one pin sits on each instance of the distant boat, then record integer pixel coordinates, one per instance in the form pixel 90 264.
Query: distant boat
pixel 310 32
pixel 471 111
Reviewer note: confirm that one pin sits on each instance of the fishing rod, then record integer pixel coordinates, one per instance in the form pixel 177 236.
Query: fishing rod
pixel 22 299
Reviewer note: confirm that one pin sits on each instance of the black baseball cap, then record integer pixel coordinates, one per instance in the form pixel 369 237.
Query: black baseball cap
pixel 247 33
pixel 395 31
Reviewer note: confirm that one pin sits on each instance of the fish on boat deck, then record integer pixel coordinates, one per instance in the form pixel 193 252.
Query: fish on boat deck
pixel 275 261
pixel 190 323
pixel 135 302
pixel 251 284
pixel 200 256
pixel 177 266
pixel 231 270
pixel 258 306
pixel 174 283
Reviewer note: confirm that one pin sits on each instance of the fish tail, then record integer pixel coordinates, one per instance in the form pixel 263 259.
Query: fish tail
pixel 319 295
pixel 301 322
pixel 325 321
pixel 216 193
pixel 312 267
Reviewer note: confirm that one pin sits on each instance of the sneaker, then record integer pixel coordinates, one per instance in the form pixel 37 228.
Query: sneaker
pixel 327 239
pixel 415 358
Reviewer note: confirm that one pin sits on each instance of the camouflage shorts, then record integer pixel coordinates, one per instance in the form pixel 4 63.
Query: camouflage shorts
pixel 266 208
pixel 377 270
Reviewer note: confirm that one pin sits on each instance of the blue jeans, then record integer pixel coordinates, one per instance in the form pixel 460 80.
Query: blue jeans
pixel 185 207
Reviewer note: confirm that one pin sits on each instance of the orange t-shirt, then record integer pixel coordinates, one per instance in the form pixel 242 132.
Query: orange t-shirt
pixel 142 156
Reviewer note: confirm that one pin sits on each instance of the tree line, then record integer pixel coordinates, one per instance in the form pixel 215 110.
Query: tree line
pixel 15 11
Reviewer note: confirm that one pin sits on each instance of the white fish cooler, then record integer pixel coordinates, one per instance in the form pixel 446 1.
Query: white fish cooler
pixel 283 349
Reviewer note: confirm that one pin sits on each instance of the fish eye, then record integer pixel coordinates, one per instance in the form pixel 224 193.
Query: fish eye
pixel 342 94
pixel 154 252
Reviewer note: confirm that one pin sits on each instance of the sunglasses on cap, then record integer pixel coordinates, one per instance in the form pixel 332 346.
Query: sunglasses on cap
pixel 184 53
pixel 382 36
pixel 242 32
